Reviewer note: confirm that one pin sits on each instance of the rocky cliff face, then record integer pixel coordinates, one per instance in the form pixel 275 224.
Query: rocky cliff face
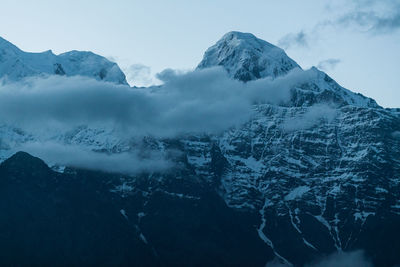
pixel 317 174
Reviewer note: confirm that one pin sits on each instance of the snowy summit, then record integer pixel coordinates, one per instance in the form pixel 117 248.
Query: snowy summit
pixel 16 64
pixel 246 57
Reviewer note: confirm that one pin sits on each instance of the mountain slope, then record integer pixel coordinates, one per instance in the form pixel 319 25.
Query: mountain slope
pixel 317 174
pixel 87 218
pixel 16 64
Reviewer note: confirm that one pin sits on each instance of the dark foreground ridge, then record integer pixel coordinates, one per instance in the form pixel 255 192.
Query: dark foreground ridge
pixel 80 217
pixel 83 217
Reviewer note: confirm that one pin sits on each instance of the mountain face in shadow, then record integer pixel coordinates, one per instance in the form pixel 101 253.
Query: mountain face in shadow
pixel 82 217
pixel 85 217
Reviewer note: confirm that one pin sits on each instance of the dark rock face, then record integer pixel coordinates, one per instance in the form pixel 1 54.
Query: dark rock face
pixel 82 218
pixel 58 69
pixel 331 186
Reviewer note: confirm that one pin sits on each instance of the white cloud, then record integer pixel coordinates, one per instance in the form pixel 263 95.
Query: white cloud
pixel 344 259
pixel 294 39
pixel 76 156
pixel 140 75
pixel 374 17
pixel 328 64
pixel 312 116
pixel 204 101
pixel 353 259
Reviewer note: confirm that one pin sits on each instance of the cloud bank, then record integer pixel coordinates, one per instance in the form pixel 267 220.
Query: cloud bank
pixel 199 102
pixel 203 101
pixel 312 116
pixel 79 157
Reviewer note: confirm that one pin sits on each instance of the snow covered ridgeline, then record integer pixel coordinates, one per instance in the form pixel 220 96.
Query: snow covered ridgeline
pixel 247 58
pixel 16 64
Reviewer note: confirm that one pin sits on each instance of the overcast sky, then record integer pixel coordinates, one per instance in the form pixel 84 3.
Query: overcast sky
pixel 357 42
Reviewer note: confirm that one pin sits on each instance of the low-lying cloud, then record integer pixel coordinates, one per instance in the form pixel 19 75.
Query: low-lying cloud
pixel 312 116
pixel 199 102
pixel 377 17
pixel 328 64
pixel 203 101
pixel 77 156
pixel 354 259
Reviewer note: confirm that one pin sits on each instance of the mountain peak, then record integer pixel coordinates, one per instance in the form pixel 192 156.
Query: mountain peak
pixel 22 162
pixel 243 37
pixel 246 57
pixel 16 64
pixel 6 48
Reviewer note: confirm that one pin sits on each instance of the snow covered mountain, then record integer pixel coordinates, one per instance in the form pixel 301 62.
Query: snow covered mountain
pixel 246 57
pixel 16 64
pixel 312 176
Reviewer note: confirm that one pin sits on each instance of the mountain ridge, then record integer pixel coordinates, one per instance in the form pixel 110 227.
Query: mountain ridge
pixel 16 64
pixel 248 58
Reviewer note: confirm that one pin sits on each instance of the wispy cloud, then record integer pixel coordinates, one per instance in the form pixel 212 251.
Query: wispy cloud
pixel 373 16
pixel 140 75
pixel 80 157
pixel 328 64
pixel 353 259
pixel 313 115
pixel 294 39
pixel 366 16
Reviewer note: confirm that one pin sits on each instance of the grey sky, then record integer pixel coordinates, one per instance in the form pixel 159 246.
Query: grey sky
pixel 362 35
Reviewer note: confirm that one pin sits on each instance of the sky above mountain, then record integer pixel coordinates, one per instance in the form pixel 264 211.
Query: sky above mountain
pixel 355 41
